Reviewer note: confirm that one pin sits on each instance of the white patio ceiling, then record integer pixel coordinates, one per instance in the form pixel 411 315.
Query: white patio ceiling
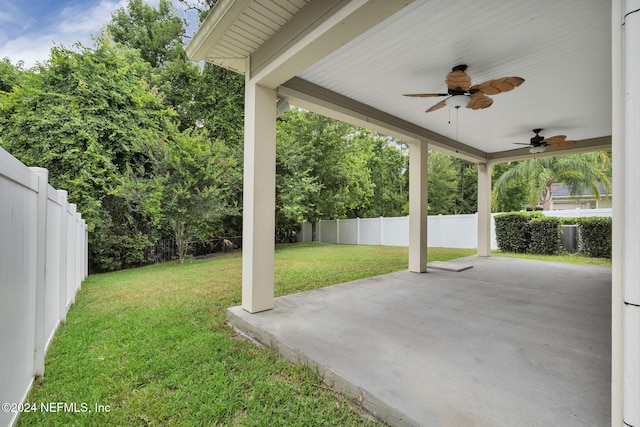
pixel 561 48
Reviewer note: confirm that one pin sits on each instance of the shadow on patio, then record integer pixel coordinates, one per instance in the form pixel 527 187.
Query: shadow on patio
pixel 507 342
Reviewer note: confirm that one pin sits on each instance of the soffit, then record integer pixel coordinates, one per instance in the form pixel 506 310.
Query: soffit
pixel 236 29
pixel 561 48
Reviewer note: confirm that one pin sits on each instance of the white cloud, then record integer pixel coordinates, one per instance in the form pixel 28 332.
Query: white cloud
pixel 76 19
pixel 73 23
pixel 30 50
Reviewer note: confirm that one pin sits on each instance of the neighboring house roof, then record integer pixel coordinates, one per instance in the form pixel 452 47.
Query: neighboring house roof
pixel 559 190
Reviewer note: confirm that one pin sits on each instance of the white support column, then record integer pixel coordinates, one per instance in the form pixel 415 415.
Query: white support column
pixel 617 247
pixel 484 209
pixel 259 198
pixel 418 191
pixel 631 203
pixel 41 284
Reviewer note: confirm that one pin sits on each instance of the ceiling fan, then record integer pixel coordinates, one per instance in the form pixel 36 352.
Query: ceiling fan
pixel 460 93
pixel 539 143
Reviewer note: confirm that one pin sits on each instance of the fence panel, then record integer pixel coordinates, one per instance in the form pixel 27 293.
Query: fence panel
pixel 327 231
pixel 395 231
pixel 347 231
pixel 369 232
pixel 445 231
pixel 458 231
pixel 40 269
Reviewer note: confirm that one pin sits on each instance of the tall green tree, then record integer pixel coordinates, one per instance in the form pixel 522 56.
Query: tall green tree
pixel 185 191
pixel 207 96
pixel 466 201
pixel 514 194
pixel 87 115
pixel 329 158
pixel 155 31
pixel 203 96
pixel 443 184
pixel 389 166
pixel 581 172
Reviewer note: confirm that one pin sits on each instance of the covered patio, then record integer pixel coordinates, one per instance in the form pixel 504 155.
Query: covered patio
pixel 354 59
pixel 507 342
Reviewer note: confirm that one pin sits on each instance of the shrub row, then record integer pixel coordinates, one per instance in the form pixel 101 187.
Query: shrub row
pixel 532 232
pixel 594 236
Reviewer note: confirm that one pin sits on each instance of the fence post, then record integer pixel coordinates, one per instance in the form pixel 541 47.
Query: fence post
pixel 63 255
pixel 41 253
pixel 357 231
pixel 319 230
pixel 79 251
pixel 381 231
pixel 71 242
pixel 85 234
pixel 337 231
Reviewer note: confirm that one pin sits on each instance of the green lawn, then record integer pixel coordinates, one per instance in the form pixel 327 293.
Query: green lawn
pixel 151 346
pixel 564 257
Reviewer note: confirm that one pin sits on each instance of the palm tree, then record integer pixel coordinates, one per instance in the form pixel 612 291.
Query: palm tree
pixel 580 172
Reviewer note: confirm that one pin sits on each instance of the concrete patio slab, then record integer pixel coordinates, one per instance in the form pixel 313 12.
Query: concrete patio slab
pixel 508 342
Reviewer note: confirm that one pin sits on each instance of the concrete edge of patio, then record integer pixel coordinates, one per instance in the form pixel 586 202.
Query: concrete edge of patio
pixel 236 317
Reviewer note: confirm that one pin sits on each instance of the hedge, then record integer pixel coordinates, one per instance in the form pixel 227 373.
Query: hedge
pixel 545 236
pixel 513 232
pixel 594 236
pixel 532 232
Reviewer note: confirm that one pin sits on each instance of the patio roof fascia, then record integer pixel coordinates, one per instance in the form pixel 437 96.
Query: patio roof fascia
pixel 309 96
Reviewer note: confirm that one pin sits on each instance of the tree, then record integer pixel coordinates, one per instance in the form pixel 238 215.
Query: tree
pixel 209 96
pixel 513 196
pixel 186 189
pixel 443 184
pixel 581 172
pixel 10 75
pixel 466 201
pixel 329 158
pixel 88 116
pixel 389 166
pixel 155 32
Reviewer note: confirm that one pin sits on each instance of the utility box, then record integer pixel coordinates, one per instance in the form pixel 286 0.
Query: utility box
pixel 569 238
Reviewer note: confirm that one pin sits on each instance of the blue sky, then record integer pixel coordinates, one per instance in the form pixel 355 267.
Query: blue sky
pixel 28 28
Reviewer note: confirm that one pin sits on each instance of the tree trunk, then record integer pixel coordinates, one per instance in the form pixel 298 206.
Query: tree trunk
pixel 546 199
pixel 180 230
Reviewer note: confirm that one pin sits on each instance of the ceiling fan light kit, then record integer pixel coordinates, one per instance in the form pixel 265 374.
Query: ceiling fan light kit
pixel 537 150
pixel 457 101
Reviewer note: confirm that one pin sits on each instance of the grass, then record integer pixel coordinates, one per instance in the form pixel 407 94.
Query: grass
pixel 563 257
pixel 151 346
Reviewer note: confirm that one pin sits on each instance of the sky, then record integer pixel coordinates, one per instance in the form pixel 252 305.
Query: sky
pixel 29 28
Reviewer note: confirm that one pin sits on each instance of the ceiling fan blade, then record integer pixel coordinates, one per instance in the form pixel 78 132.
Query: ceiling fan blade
pixel 521 143
pixel 479 101
pixel 554 139
pixel 425 95
pixel 560 143
pixel 458 80
pixel 437 106
pixel 494 87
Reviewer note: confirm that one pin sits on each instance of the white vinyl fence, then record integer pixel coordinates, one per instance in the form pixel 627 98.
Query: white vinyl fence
pixel 444 231
pixel 43 261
